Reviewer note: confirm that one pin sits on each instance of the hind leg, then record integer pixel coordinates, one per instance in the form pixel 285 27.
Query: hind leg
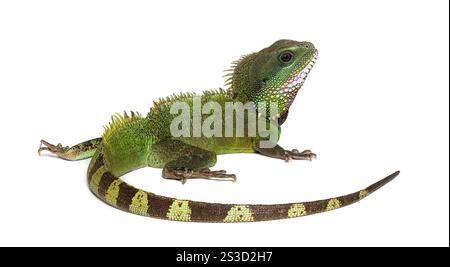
pixel 77 152
pixel 183 162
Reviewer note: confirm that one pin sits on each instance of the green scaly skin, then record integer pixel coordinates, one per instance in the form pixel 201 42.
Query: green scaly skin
pixel 273 75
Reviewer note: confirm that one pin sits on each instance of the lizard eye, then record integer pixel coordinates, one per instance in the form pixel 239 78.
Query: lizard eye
pixel 286 56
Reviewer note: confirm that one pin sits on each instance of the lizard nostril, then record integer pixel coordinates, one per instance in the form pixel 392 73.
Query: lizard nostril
pixel 306 45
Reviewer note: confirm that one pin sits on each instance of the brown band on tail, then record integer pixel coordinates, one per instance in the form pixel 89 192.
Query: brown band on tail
pixel 96 163
pixel 121 195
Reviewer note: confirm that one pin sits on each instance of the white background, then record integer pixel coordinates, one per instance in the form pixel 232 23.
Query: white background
pixel 376 101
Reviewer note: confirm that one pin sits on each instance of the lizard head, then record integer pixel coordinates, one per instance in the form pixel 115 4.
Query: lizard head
pixel 274 75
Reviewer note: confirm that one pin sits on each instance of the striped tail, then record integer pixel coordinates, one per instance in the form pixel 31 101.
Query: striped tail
pixel 121 195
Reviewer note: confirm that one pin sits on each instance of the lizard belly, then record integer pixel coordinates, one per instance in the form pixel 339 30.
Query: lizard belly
pixel 221 145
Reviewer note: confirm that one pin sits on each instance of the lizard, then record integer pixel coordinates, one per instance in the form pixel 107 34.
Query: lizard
pixel 274 75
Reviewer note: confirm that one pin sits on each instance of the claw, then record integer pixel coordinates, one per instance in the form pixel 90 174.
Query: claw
pixel 296 155
pixel 46 146
pixel 184 175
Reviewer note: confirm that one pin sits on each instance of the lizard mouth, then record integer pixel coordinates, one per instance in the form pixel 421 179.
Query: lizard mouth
pixel 291 87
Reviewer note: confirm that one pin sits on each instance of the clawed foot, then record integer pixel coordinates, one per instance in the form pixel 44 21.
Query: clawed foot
pixel 294 154
pixel 184 175
pixel 58 149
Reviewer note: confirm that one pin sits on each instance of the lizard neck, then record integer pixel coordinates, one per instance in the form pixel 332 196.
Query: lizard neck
pixel 242 87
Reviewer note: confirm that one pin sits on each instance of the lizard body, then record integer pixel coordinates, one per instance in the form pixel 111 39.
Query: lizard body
pixel 272 76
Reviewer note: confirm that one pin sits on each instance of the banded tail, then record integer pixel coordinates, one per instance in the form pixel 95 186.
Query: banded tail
pixel 121 195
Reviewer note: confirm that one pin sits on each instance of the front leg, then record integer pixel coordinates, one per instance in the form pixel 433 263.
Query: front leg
pixel 280 153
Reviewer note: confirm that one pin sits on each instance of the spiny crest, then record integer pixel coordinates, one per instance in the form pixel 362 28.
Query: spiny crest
pixel 214 92
pixel 119 121
pixel 229 73
pixel 170 99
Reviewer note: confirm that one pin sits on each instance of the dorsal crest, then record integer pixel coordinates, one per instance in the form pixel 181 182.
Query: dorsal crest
pixel 119 121
pixel 233 73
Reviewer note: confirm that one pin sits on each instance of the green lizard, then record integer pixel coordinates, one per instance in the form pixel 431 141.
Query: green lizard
pixel 272 76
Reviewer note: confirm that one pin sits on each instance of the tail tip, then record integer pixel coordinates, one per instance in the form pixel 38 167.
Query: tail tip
pixel 382 182
pixel 391 177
